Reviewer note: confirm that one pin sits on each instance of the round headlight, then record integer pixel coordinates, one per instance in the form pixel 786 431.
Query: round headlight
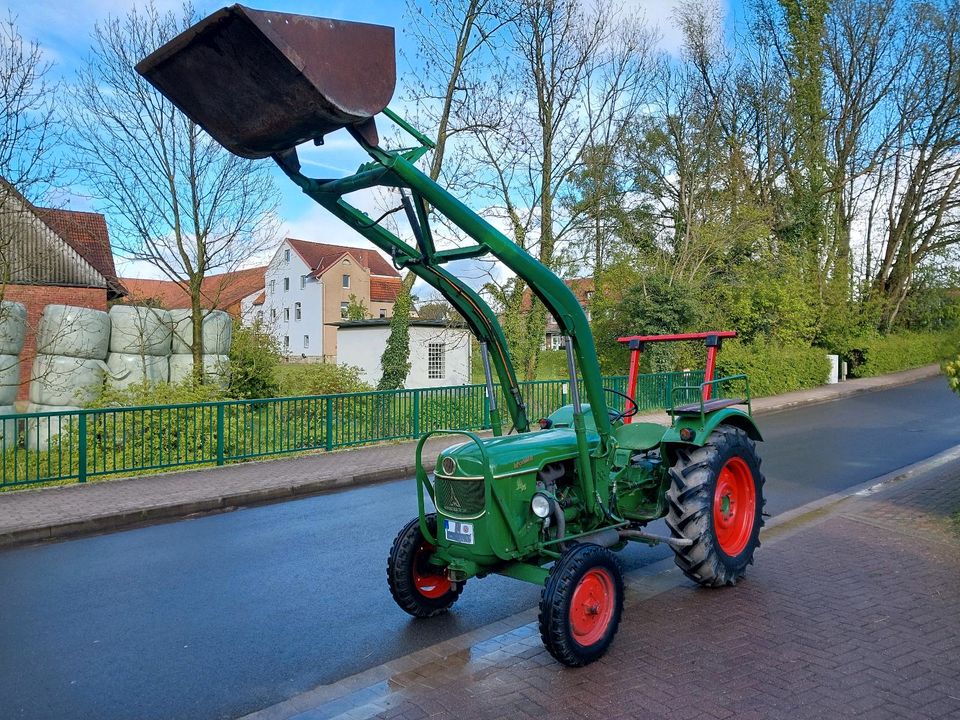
pixel 540 504
pixel 449 465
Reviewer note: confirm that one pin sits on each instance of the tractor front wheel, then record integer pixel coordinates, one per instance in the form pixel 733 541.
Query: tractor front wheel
pixel 418 586
pixel 716 503
pixel 580 605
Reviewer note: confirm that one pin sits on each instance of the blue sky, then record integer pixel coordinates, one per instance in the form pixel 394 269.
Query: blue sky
pixel 63 28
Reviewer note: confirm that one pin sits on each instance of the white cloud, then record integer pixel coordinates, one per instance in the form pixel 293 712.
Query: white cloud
pixel 138 269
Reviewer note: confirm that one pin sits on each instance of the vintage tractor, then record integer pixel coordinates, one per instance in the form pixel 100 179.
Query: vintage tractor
pixel 549 504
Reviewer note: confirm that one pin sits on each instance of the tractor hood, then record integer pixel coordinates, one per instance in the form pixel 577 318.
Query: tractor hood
pixel 513 454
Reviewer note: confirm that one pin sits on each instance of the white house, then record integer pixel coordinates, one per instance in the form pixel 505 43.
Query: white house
pixel 309 286
pixel 439 353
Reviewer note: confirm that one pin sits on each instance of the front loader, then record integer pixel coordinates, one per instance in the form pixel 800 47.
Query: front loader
pixel 547 504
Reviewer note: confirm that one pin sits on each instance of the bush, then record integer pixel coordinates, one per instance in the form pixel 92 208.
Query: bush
pixel 294 379
pixel 160 394
pixel 772 368
pixel 254 357
pixel 881 354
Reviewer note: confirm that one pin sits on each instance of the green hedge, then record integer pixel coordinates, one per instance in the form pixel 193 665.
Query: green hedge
pixel 879 355
pixel 774 369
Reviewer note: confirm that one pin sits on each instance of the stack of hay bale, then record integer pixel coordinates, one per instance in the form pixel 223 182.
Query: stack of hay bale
pixel 70 367
pixel 217 334
pixel 139 346
pixel 13 332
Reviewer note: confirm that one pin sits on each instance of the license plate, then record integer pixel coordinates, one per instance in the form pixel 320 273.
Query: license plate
pixel 458 532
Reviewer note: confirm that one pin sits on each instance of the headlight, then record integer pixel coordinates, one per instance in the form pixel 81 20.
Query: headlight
pixel 449 465
pixel 540 504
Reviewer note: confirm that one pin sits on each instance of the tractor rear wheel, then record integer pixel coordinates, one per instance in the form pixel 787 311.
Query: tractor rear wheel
pixel 580 604
pixel 418 586
pixel 716 501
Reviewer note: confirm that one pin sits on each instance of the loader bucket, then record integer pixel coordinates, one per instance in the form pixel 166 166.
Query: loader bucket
pixel 262 82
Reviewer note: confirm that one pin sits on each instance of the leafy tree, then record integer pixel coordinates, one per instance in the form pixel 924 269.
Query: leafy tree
pixel 395 360
pixel 357 309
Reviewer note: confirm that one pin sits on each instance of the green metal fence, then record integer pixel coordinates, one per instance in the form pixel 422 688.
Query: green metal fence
pixel 81 444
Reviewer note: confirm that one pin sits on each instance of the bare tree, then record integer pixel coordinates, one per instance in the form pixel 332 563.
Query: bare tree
pixel 178 200
pixel 449 42
pixel 568 80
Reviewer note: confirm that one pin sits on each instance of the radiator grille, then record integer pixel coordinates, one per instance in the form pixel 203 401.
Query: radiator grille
pixel 459 497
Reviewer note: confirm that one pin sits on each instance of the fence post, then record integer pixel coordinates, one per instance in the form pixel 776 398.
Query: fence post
pixel 416 413
pixel 219 433
pixel 669 401
pixel 328 436
pixel 82 447
pixel 486 412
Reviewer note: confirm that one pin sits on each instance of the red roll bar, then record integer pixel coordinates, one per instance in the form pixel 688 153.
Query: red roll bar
pixel 712 341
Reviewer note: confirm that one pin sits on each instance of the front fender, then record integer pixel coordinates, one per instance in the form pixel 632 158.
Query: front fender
pixel 726 416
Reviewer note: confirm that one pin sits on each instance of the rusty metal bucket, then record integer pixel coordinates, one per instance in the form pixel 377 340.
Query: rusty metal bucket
pixel 262 82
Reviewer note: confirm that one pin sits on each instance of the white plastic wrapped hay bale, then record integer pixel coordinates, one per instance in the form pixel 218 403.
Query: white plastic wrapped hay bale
pixel 124 370
pixel 9 379
pixel 43 431
pixel 217 332
pixel 64 380
pixel 74 332
pixel 139 330
pixel 13 327
pixel 8 428
pixel 216 369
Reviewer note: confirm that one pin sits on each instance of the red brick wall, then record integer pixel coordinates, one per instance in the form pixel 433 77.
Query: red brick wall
pixel 36 298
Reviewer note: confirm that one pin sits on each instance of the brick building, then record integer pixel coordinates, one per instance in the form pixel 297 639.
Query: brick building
pixel 583 289
pixel 50 256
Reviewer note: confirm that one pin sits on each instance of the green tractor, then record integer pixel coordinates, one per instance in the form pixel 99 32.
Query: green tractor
pixel 548 503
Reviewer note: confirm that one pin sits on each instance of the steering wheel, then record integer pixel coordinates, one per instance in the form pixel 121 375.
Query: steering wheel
pixel 621 414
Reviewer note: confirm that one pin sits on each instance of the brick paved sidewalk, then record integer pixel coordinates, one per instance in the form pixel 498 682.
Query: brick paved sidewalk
pixel 852 611
pixel 31 515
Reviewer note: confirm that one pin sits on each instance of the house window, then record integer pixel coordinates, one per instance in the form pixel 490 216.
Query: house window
pixel 273 285
pixel 346 281
pixel 556 342
pixel 286 284
pixel 344 307
pixel 306 342
pixel 297 315
pixel 273 313
pixel 383 313
pixel 286 314
pixel 286 255
pixel 589 295
pixel 303 281
pixel 286 342
pixel 436 369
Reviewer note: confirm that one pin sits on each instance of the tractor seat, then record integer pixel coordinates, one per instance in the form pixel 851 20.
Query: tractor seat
pixel 639 436
pixel 708 406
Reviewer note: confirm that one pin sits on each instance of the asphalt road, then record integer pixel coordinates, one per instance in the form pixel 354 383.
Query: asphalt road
pixel 222 615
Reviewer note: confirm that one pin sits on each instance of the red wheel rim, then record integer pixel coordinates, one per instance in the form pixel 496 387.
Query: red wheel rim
pixel 734 506
pixel 428 579
pixel 592 606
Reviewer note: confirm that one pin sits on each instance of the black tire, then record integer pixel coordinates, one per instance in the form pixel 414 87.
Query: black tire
pixel 717 556
pixel 598 571
pixel 408 562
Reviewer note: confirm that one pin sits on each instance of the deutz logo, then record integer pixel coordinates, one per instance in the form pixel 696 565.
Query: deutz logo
pixel 454 502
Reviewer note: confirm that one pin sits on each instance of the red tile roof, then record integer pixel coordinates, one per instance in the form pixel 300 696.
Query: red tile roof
pixel 321 256
pixel 86 232
pixel 222 291
pixel 384 289
pixel 579 286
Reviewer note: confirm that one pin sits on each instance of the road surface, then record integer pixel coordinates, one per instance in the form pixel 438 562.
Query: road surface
pixel 222 615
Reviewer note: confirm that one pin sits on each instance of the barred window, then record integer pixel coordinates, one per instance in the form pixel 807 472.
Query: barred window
pixel 436 356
